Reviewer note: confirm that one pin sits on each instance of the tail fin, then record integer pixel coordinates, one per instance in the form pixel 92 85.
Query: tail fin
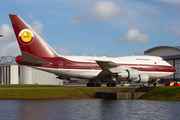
pixel 29 41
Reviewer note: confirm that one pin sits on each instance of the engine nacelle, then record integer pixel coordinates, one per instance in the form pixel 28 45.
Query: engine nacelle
pixel 129 74
pixel 19 59
pixel 144 78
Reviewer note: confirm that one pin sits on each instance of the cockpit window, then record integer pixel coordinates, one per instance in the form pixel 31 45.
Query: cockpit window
pixel 163 60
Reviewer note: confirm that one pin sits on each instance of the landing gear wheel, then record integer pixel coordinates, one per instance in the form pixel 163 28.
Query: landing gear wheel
pixel 108 84
pixel 94 84
pixel 113 84
pixel 98 84
pixel 90 84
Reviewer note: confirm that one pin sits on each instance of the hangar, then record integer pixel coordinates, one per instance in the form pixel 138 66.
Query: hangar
pixel 171 55
pixel 12 73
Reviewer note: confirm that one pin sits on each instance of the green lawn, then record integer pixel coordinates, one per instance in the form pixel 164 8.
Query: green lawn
pixel 46 93
pixel 59 92
pixel 54 91
pixel 27 85
pixel 163 93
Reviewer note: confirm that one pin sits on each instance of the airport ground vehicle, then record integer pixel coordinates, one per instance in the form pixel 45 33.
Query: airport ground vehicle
pixel 125 83
pixel 172 83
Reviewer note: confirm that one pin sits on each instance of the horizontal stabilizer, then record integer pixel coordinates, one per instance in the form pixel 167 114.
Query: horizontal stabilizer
pixel 28 58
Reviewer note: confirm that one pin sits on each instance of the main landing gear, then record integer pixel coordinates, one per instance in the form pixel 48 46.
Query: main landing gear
pixel 91 84
pixel 111 84
pixel 94 84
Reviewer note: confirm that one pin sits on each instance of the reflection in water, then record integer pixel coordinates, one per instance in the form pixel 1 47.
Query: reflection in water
pixel 73 109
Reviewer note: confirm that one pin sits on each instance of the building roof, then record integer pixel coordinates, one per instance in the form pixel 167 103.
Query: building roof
pixel 167 52
pixel 160 47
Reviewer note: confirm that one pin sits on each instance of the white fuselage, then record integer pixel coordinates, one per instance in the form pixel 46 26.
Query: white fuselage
pixel 130 62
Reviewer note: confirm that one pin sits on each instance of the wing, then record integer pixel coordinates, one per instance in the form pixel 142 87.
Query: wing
pixel 113 71
pixel 109 69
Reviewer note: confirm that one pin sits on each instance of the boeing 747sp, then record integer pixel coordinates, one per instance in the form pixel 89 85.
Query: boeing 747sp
pixel 36 53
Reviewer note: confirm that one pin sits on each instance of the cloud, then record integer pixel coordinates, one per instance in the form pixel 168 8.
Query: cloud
pixel 9 48
pixel 169 1
pixel 102 10
pixel 31 16
pixel 172 29
pixel 7 32
pixel 8 43
pixel 38 27
pixel 80 19
pixel 105 10
pixel 133 35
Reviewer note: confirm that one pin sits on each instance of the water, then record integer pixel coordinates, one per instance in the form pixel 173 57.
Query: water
pixel 88 109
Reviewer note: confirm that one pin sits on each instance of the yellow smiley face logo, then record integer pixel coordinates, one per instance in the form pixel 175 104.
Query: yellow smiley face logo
pixel 26 36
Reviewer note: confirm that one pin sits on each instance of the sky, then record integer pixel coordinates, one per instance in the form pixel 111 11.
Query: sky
pixel 111 28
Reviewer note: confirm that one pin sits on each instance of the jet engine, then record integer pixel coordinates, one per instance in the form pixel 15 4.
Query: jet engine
pixel 129 74
pixel 133 75
pixel 144 78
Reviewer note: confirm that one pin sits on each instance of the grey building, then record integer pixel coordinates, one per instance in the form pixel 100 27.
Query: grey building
pixel 171 55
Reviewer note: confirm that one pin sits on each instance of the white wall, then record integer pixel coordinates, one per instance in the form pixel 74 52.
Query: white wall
pixel 41 77
pixel 25 75
pixel 14 77
pixel 33 76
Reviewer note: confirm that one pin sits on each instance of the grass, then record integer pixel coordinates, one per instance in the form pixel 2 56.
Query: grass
pixel 27 85
pixel 36 93
pixel 54 91
pixel 58 92
pixel 163 93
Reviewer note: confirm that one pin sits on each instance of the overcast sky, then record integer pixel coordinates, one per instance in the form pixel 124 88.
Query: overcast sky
pixel 94 27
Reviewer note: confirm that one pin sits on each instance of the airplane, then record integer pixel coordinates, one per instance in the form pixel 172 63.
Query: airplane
pixel 36 53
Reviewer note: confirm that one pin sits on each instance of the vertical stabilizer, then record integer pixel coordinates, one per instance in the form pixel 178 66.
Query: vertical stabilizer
pixel 29 41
